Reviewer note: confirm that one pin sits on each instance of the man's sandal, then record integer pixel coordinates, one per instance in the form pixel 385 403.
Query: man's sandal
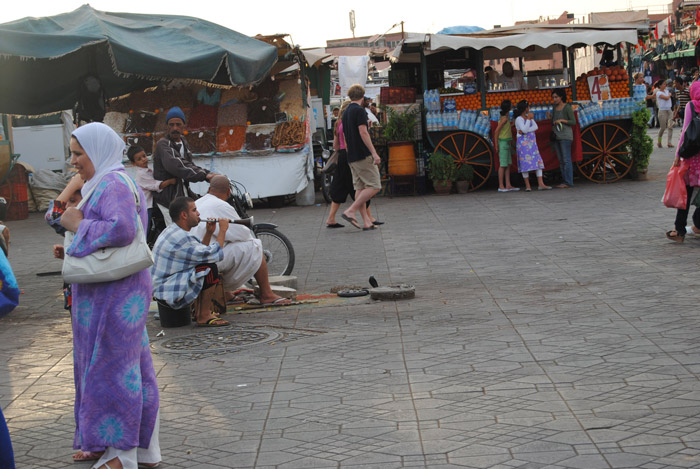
pixel 674 236
pixel 212 322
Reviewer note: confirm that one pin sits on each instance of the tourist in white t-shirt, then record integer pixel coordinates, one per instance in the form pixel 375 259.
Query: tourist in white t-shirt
pixel 663 103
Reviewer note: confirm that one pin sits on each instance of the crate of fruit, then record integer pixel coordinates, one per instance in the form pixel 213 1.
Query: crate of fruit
pixel 397 95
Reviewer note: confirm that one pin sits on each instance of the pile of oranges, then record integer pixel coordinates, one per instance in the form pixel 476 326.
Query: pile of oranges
pixel 494 99
pixel 617 78
pixel 615 73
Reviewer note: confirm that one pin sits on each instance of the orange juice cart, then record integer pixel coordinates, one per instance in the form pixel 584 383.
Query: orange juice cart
pixel 460 122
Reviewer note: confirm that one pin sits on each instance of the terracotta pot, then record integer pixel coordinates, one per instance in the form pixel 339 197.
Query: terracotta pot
pixel 402 159
pixel 462 187
pixel 442 187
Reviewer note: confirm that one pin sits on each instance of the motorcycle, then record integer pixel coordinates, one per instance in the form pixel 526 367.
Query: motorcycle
pixel 322 180
pixel 277 248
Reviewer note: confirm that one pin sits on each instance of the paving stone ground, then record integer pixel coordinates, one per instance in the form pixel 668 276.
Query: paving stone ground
pixel 549 330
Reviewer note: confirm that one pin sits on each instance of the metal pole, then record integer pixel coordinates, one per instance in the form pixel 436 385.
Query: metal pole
pixel 572 74
pixel 480 76
pixel 629 67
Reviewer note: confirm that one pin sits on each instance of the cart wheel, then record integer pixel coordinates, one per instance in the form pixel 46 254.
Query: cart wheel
pixel 472 149
pixel 605 155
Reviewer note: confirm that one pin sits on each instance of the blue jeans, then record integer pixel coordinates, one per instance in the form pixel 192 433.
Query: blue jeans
pixel 563 149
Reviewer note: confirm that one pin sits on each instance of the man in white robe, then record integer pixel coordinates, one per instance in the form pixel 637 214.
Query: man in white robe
pixel 243 253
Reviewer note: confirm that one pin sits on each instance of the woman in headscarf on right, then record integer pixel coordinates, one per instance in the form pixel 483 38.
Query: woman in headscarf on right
pixel 692 176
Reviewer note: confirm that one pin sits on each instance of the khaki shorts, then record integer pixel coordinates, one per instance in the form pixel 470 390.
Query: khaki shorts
pixel 365 174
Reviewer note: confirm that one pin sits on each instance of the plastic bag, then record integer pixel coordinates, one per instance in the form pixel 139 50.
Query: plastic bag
pixel 676 195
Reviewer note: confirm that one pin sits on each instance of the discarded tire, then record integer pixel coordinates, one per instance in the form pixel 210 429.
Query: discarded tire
pixel 353 293
pixel 393 292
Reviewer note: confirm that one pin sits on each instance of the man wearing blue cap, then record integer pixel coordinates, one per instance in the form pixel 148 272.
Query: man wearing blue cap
pixel 173 159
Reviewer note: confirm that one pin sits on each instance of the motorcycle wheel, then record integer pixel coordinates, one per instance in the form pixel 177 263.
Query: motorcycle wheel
pixel 326 180
pixel 278 251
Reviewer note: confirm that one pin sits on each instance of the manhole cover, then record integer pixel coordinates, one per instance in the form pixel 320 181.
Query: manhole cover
pixel 221 340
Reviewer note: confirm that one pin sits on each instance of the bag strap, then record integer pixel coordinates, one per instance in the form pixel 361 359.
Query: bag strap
pixel 129 182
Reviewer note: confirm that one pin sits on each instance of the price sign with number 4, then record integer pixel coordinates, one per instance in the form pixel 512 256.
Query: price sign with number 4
pixel 599 87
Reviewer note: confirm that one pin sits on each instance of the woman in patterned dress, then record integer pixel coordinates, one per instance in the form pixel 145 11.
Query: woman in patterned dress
pixel 529 158
pixel 116 394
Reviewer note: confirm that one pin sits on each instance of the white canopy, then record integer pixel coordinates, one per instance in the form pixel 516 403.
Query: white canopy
pixel 535 36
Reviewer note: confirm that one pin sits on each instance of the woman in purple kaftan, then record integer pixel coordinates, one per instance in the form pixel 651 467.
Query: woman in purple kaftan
pixel 116 394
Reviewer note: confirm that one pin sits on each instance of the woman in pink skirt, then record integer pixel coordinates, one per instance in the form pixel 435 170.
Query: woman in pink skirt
pixel 692 176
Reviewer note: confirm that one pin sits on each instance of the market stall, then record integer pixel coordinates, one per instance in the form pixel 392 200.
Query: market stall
pixel 460 122
pixel 246 99
pixel 257 135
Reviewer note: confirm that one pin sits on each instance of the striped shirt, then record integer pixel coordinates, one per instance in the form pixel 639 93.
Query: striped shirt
pixel 683 99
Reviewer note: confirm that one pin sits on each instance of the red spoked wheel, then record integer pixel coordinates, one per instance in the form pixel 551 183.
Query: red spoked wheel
pixel 472 149
pixel 605 154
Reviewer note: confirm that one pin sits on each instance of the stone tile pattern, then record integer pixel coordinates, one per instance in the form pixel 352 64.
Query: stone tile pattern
pixel 549 330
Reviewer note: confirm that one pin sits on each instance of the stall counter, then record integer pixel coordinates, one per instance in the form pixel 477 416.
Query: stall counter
pixel 263 176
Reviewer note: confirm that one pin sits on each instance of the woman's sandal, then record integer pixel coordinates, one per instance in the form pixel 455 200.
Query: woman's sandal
pixel 82 456
pixel 674 236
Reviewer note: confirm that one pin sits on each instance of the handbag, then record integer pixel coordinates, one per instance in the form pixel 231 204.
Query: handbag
pixel 332 163
pixel 691 137
pixel 676 195
pixel 109 263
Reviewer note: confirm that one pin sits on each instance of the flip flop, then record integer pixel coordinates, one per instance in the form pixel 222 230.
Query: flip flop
pixel 334 225
pixel 377 223
pixel 544 188
pixel 368 228
pixel 528 189
pixel 352 221
pixel 211 323
pixel 279 301
pixel 147 465
pixel 81 456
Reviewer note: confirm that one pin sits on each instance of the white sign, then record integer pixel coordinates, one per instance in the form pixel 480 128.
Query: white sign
pixel 599 87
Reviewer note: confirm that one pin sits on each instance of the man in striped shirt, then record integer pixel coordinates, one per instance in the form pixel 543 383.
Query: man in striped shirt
pixel 682 98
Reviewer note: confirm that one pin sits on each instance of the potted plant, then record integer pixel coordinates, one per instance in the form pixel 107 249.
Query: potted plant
pixel 463 176
pixel 442 172
pixel 400 132
pixel 640 145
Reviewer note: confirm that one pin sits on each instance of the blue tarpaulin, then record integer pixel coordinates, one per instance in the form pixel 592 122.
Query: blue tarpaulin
pixel 460 30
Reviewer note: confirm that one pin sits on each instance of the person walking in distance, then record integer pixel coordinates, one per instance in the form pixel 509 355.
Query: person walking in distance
pixel 362 157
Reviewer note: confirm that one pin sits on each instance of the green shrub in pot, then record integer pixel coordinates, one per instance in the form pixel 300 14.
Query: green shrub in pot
pixel 400 126
pixel 441 168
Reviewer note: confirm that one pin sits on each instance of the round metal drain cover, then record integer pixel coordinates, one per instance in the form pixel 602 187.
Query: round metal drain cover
pixel 221 340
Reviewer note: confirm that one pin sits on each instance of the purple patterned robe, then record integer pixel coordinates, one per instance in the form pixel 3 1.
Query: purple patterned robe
pixel 116 394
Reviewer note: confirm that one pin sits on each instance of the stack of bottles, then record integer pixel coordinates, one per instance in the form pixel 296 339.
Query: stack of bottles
pixel 619 108
pixel 639 93
pixel 431 100
pixel 472 121
pixel 539 110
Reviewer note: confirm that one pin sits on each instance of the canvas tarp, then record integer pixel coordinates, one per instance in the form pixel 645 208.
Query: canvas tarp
pixel 42 60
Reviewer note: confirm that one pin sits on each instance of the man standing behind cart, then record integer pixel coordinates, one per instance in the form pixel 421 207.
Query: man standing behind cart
pixel 362 157
pixel 511 79
pixel 173 159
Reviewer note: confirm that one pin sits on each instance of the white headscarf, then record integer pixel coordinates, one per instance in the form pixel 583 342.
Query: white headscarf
pixel 104 148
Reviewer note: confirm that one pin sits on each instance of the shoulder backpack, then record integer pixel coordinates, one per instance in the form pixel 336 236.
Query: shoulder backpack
pixel 691 136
